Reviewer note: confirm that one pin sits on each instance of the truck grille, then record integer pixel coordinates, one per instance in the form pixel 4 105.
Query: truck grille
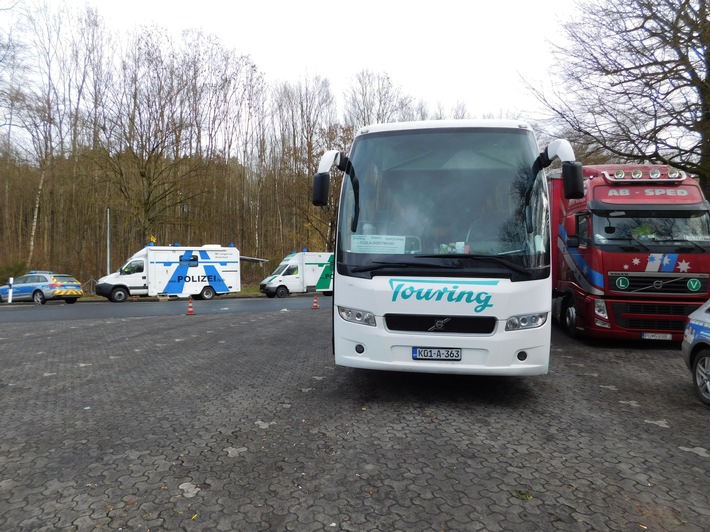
pixel 658 283
pixel 440 324
pixel 651 316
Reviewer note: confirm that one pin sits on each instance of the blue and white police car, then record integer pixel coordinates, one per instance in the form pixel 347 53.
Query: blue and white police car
pixel 696 350
pixel 42 286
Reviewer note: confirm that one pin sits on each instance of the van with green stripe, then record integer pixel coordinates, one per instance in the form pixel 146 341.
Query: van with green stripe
pixel 301 272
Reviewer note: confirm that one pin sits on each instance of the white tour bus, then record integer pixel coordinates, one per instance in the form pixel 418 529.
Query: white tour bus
pixel 442 260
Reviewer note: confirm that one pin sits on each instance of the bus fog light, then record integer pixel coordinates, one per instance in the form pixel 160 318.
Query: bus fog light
pixel 525 321
pixel 600 309
pixel 357 316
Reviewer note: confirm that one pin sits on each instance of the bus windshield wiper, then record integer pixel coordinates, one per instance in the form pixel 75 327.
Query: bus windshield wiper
pixel 380 265
pixel 486 258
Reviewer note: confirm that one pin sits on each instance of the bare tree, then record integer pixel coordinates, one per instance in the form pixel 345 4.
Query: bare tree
pixel 145 163
pixel 302 112
pixel 635 83
pixel 373 98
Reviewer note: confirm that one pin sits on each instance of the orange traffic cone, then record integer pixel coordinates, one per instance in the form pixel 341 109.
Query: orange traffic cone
pixel 315 301
pixel 190 312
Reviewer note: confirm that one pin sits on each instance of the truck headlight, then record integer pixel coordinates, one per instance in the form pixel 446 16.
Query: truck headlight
pixel 357 316
pixel 600 309
pixel 525 321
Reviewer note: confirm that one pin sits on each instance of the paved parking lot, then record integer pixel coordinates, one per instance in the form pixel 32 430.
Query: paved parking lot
pixel 242 422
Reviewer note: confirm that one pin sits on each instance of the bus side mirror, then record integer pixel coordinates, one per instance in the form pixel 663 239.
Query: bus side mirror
pixel 321 189
pixel 321 181
pixel 572 179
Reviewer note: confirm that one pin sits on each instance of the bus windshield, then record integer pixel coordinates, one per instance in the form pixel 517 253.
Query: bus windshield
pixel 444 199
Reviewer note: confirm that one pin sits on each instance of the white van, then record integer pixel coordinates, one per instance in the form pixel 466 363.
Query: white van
pixel 197 272
pixel 299 273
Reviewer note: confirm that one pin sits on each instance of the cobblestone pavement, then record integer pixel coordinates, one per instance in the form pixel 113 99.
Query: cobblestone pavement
pixel 242 422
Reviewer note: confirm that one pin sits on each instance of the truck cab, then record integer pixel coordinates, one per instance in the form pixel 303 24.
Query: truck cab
pixel 631 258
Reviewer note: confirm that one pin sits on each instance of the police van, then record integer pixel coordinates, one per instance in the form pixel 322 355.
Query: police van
pixel 299 273
pixel 174 271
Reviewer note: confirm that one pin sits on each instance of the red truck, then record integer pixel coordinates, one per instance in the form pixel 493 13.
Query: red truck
pixel 630 260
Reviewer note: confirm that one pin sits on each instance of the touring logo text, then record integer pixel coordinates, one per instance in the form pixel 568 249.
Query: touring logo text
pixel 452 293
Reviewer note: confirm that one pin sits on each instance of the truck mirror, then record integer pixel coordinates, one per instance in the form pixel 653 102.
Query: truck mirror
pixel 321 188
pixel 572 179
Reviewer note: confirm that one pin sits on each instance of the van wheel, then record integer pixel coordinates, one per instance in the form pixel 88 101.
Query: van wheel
pixel 38 297
pixel 207 293
pixel 569 317
pixel 281 291
pixel 119 295
pixel 701 376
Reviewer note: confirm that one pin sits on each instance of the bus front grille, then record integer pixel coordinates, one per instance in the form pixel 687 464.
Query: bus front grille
pixel 440 324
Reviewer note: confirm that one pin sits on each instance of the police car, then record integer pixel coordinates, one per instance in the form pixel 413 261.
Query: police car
pixel 42 286
pixel 696 350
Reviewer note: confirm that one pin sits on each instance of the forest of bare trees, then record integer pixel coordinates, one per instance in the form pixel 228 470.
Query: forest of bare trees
pixel 147 136
pixel 125 137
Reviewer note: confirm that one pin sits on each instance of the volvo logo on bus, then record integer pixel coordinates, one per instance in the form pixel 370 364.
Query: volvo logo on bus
pixel 439 325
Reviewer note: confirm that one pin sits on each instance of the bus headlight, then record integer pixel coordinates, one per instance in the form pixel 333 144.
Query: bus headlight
pixel 357 316
pixel 525 321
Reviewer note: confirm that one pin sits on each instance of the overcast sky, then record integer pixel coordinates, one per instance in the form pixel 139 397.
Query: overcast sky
pixel 443 52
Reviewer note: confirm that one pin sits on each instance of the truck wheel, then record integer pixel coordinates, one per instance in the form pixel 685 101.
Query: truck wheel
pixel 281 291
pixel 701 376
pixel 119 295
pixel 569 317
pixel 207 293
pixel 38 297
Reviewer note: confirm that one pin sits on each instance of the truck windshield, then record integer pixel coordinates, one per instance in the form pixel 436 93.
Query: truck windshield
pixel 447 199
pixel 648 228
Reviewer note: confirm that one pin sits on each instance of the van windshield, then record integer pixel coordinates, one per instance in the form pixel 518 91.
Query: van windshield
pixel 443 197
pixel 280 269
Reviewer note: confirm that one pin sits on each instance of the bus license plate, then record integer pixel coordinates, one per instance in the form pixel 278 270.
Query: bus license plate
pixel 436 353
pixel 656 336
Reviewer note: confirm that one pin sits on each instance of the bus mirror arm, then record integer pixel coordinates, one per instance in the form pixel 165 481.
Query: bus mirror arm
pixel 572 176
pixel 321 181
